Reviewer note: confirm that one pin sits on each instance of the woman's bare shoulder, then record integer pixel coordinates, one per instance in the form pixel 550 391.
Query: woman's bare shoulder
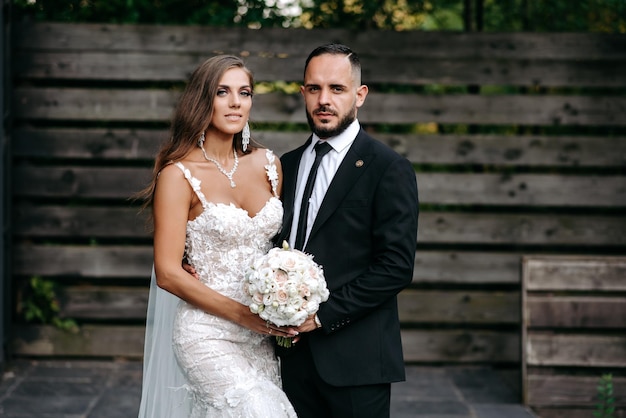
pixel 172 169
pixel 257 157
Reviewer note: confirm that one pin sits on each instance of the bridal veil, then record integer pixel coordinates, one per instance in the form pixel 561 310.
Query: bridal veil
pixel 163 393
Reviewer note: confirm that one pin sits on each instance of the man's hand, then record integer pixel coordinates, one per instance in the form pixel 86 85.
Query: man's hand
pixel 189 269
pixel 307 326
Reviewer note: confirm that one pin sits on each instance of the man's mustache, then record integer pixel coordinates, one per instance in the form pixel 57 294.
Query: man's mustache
pixel 325 109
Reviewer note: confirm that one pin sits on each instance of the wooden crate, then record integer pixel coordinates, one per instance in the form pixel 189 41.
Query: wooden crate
pixel 573 332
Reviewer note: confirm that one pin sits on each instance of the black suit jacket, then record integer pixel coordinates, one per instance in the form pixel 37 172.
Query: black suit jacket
pixel 365 237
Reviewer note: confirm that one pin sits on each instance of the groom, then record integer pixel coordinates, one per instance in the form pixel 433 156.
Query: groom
pixel 360 224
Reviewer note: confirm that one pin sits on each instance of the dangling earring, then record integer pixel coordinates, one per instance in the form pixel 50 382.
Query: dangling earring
pixel 201 140
pixel 245 137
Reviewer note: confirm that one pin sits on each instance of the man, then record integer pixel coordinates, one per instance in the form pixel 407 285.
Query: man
pixel 360 224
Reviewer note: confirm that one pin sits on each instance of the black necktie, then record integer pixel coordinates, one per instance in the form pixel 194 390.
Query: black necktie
pixel 321 149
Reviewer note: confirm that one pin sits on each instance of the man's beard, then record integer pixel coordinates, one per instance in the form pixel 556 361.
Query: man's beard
pixel 323 132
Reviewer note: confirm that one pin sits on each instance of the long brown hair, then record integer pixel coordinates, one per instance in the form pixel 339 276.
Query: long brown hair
pixel 193 115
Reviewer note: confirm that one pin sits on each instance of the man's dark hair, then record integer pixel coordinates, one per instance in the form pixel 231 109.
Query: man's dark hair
pixel 335 49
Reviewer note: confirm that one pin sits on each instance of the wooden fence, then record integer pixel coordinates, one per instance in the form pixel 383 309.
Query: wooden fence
pixel 518 139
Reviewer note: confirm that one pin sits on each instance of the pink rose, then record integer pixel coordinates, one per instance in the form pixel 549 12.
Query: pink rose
pixel 281 276
pixel 282 297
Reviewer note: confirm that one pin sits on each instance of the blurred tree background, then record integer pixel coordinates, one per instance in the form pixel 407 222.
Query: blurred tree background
pixel 478 15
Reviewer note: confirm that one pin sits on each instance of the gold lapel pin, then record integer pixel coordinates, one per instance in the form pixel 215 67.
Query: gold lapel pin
pixel 359 163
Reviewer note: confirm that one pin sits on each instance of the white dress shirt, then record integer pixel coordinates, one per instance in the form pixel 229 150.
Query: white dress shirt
pixel 328 168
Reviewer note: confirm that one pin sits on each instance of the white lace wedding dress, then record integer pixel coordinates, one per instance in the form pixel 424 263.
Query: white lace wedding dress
pixel 230 370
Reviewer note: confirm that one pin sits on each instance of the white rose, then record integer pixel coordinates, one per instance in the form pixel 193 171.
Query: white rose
pixel 298 318
pixel 313 306
pixel 268 299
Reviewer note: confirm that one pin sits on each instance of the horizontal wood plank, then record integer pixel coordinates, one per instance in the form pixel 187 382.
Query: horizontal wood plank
pixel 91 144
pixel 134 105
pixel 579 350
pixel 127 341
pixel 150 66
pixel 522 189
pixel 501 150
pixel 466 267
pixel 507 150
pixel 455 189
pixel 80 222
pixel 249 42
pixel 569 390
pixel 435 227
pixel 575 312
pixel 574 273
pixel 90 341
pixel 103 302
pixel 459 307
pixel 152 105
pixel 88 262
pixel 100 262
pixel 84 182
pixel 536 229
pixel 415 306
pixel 460 346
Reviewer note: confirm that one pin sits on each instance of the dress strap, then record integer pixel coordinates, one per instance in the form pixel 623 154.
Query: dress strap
pixel 272 172
pixel 193 182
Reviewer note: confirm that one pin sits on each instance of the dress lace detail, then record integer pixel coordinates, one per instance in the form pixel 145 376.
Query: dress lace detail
pixel 231 371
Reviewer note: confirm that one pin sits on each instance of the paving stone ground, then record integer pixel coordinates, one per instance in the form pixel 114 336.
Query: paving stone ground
pixel 112 389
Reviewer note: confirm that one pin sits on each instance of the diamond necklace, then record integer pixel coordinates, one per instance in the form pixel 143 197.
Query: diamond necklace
pixel 229 174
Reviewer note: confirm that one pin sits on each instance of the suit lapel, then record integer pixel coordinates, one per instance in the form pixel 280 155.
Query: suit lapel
pixel 356 161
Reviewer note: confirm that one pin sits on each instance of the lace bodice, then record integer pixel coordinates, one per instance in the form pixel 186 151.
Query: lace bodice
pixel 223 240
pixel 232 371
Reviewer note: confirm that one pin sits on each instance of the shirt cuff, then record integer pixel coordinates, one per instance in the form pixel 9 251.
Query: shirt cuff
pixel 318 323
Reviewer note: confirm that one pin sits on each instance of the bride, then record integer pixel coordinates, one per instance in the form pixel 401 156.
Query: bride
pixel 214 199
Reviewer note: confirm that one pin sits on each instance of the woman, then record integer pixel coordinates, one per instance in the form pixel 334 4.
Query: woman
pixel 214 199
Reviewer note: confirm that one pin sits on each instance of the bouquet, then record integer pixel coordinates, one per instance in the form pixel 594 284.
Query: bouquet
pixel 286 287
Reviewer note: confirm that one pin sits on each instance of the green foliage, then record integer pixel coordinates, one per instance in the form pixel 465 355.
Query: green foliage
pixel 40 305
pixel 605 408
pixel 578 16
pixel 555 16
pixel 245 13
pixel 383 14
pixel 497 15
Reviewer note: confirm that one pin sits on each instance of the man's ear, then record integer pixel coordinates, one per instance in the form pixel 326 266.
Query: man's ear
pixel 361 94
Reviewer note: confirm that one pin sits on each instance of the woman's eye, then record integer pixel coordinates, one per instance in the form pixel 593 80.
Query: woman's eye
pixel 222 92
pixel 246 93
